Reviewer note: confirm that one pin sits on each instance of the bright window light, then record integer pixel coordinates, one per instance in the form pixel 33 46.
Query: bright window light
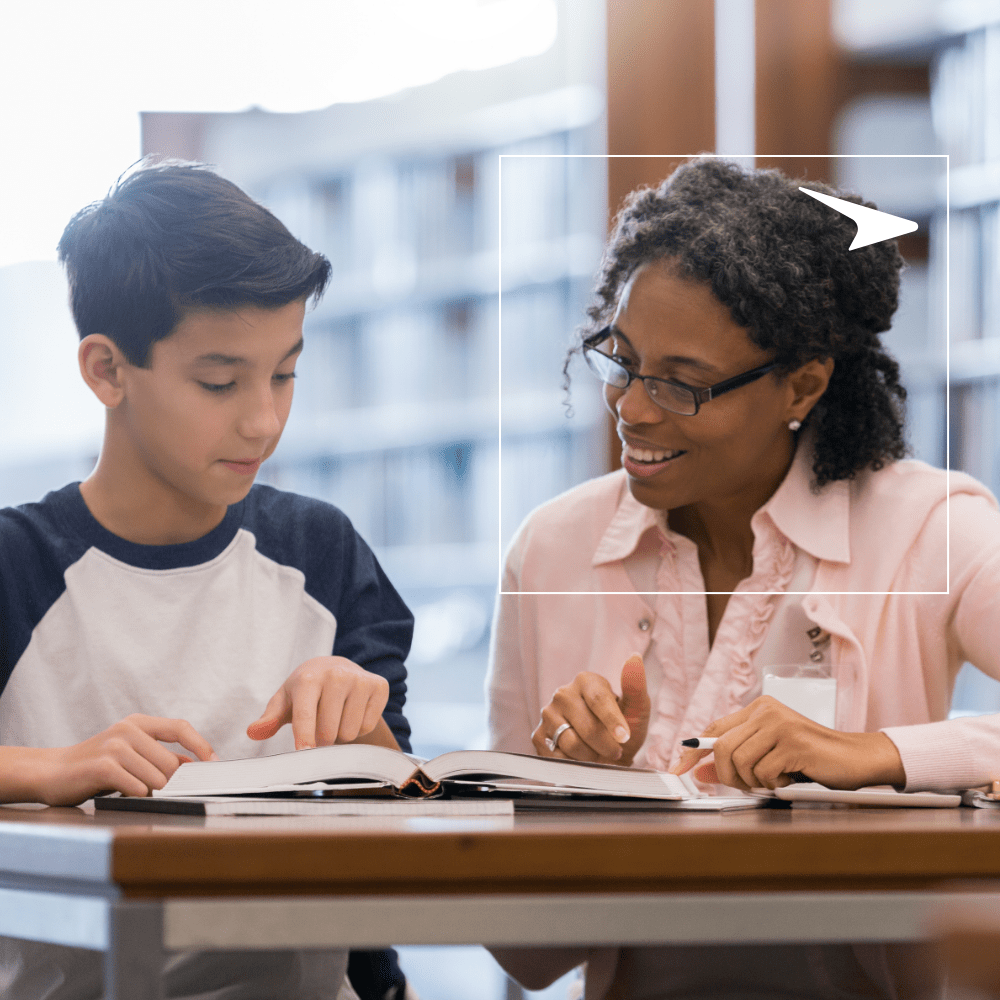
pixel 75 76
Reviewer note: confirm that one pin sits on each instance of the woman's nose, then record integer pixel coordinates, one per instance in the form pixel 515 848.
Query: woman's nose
pixel 633 405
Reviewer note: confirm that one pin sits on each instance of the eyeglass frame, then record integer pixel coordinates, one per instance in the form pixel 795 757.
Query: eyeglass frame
pixel 699 395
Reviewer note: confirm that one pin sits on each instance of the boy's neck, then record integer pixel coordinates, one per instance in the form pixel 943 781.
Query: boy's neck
pixel 146 511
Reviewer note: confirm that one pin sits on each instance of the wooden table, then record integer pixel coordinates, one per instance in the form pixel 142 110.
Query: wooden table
pixel 134 885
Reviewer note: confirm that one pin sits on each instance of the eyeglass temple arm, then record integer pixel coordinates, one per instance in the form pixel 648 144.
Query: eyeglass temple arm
pixel 704 395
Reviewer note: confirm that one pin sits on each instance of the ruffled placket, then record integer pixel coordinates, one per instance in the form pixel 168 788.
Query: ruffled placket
pixel 728 674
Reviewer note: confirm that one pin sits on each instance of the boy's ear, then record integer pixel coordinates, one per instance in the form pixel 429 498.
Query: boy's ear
pixel 101 364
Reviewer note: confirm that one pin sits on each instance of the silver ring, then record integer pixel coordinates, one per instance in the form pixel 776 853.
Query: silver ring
pixel 553 741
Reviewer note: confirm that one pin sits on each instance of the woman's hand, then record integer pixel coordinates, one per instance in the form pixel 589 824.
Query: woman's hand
pixel 328 699
pixel 603 727
pixel 762 744
pixel 126 758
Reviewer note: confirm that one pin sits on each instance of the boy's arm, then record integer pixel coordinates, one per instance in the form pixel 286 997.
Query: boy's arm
pixel 372 637
pixel 127 757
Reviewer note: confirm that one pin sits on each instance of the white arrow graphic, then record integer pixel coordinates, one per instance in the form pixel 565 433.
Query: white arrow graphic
pixel 873 227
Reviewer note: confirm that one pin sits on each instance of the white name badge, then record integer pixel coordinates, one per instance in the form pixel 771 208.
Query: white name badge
pixel 806 690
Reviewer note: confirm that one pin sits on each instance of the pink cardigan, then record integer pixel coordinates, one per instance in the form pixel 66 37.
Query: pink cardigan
pixel 877 549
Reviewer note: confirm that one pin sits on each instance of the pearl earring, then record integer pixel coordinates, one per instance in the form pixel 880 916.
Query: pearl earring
pixel 794 425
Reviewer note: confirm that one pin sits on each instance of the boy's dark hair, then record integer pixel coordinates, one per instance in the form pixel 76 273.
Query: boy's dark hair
pixel 171 237
pixel 779 260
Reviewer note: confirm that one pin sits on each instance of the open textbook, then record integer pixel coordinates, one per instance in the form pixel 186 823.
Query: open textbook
pixel 360 769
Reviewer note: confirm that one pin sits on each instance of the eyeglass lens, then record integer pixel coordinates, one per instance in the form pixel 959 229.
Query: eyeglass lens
pixel 671 397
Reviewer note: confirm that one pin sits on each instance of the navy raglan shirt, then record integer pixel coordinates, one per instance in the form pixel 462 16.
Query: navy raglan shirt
pixel 94 628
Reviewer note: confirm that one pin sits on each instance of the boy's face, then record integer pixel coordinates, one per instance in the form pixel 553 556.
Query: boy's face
pixel 213 402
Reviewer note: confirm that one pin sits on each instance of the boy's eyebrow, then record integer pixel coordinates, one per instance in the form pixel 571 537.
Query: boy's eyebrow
pixel 675 359
pixel 230 359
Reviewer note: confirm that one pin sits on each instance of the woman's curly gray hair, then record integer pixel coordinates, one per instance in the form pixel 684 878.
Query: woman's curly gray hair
pixel 779 260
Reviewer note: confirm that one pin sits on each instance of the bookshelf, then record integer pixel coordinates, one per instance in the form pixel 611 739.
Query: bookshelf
pixel 960 42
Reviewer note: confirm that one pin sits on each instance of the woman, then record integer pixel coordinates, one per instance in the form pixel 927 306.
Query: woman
pixel 763 516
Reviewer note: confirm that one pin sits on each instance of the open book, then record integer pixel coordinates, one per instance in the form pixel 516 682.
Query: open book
pixel 360 768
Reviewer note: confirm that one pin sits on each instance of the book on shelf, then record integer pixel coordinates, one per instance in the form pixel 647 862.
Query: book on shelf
pixel 363 770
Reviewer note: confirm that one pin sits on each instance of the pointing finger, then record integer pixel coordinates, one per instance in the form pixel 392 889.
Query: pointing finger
pixel 635 699
pixel 277 713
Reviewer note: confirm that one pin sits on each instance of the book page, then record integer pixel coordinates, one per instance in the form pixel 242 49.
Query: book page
pixel 556 773
pixel 290 771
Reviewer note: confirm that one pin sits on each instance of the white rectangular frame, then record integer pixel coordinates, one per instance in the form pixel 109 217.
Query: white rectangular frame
pixel 689 156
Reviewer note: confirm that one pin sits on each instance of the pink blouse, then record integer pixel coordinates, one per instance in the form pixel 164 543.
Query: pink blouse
pixel 899 568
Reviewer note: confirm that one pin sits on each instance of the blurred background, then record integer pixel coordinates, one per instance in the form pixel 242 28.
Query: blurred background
pixel 458 162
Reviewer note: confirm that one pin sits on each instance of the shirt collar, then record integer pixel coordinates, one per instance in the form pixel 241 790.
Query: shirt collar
pixel 815 522
pixel 630 522
pixel 818 522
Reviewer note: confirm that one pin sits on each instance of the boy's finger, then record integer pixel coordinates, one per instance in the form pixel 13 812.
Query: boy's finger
pixel 277 714
pixel 176 731
pixel 305 704
pixel 352 714
pixel 330 713
pixel 373 712
pixel 635 699
pixel 148 748
pixel 145 770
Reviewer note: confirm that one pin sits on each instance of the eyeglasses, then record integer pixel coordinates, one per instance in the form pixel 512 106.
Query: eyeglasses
pixel 666 392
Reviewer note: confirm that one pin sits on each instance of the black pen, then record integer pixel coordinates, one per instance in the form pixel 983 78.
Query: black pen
pixel 708 742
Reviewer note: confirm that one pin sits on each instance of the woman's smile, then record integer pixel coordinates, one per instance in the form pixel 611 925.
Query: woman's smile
pixel 644 461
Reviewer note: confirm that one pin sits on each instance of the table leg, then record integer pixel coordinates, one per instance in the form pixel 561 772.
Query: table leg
pixel 133 962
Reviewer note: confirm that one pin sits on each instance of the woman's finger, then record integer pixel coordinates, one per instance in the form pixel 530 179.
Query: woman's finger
pixel 728 769
pixel 688 758
pixel 634 702
pixel 750 752
pixel 570 745
pixel 588 730
pixel 591 708
pixel 771 770
pixel 705 773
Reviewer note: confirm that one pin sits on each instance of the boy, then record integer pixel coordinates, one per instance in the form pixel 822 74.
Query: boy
pixel 166 600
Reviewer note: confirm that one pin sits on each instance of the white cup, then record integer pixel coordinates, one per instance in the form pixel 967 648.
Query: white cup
pixel 805 688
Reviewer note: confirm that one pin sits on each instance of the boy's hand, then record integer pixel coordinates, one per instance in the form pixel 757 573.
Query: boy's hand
pixel 604 728
pixel 328 699
pixel 761 745
pixel 124 758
